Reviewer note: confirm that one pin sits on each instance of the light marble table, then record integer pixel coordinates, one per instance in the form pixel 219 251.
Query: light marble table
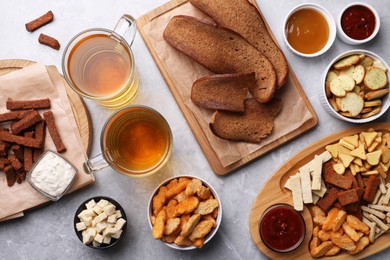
pixel 47 232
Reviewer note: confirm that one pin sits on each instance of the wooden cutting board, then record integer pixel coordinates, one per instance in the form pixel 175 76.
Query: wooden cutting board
pixel 197 129
pixel 79 109
pixel 273 192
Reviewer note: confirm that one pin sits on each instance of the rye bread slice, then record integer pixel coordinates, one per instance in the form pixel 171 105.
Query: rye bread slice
pixel 244 18
pixel 254 124
pixel 222 91
pixel 222 51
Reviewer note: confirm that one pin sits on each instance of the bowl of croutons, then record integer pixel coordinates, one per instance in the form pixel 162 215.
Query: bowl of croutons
pixel 184 212
pixel 356 87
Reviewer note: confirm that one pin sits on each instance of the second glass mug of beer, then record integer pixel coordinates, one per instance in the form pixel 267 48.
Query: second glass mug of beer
pixel 135 141
pixel 99 64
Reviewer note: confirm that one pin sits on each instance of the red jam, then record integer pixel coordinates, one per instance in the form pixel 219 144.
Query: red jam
pixel 358 22
pixel 282 228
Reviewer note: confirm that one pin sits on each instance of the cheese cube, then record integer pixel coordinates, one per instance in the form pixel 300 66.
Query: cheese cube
pixel 102 203
pixel 97 209
pixel 118 214
pixel 120 223
pixel 109 209
pixel 90 204
pixel 100 226
pixel 98 238
pixel 95 244
pixel 112 219
pixel 100 217
pixel 89 236
pixel 109 231
pixel 87 221
pixel 117 234
pixel 107 240
pixel 80 226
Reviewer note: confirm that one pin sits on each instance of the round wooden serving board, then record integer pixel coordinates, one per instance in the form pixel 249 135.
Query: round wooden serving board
pixel 79 109
pixel 273 192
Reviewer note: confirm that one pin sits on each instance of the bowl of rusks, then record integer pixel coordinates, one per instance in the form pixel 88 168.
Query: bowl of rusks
pixel 355 87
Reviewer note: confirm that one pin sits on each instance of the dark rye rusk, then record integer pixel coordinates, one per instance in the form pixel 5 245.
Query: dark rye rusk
pixel 222 51
pixel 243 17
pixel 222 91
pixel 253 125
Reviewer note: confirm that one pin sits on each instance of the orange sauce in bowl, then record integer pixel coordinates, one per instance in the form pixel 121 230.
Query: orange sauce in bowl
pixel 307 31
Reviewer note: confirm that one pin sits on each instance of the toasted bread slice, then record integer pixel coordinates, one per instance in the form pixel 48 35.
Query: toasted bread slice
pixel 222 91
pixel 346 62
pixel 375 78
pixel 256 123
pixel 243 17
pixel 222 51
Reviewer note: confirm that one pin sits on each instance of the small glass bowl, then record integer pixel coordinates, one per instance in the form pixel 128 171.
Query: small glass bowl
pixel 291 213
pixel 82 207
pixel 38 187
pixel 344 37
pixel 210 235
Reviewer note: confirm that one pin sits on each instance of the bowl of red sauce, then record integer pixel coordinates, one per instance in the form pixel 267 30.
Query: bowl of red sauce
pixel 358 23
pixel 282 228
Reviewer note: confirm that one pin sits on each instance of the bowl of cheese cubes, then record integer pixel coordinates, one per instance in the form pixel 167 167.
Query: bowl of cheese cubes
pixel 100 222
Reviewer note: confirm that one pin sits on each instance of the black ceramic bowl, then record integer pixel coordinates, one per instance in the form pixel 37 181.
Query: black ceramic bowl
pixel 97 199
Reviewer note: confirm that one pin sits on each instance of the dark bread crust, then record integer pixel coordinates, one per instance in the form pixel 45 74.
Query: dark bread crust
pixel 244 18
pixel 222 51
pixel 222 91
pixel 253 125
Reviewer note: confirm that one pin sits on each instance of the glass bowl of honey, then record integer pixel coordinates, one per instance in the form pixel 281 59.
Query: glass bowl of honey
pixel 309 30
pixel 357 23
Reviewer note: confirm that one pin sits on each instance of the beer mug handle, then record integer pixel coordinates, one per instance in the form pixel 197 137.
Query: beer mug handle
pixel 94 164
pixel 127 28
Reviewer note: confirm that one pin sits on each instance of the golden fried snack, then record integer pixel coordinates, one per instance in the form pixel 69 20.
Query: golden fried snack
pixel 324 235
pixel 203 193
pixel 189 226
pixel 321 249
pixel 333 251
pixel 159 200
pixel 187 206
pixel 183 220
pixel 199 243
pixel 329 221
pixel 343 241
pixel 172 184
pixel 179 187
pixel 171 226
pixel 206 207
pixel 201 230
pixel 171 209
pixel 319 216
pixel 350 231
pixel 181 196
pixel 159 226
pixel 214 214
pixel 357 224
pixel 360 245
pixel 193 187
pixel 339 220
pixel 170 238
pixel 183 241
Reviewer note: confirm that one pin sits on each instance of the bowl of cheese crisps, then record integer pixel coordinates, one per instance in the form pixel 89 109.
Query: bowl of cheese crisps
pixel 184 212
pixel 356 87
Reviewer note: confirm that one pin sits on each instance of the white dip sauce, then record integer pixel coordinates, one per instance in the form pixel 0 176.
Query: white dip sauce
pixel 52 174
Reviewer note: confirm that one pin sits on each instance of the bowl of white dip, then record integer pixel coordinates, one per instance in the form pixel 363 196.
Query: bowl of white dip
pixel 52 175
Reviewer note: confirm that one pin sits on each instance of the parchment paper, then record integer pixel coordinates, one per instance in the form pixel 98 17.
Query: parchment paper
pixel 34 82
pixel 183 71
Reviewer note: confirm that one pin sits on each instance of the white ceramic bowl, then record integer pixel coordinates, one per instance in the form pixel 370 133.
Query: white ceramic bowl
pixel 218 220
pixel 328 107
pixel 345 38
pixel 331 23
